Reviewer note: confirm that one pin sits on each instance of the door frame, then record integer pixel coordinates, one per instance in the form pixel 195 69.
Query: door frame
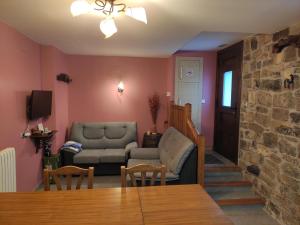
pixel 177 68
pixel 238 47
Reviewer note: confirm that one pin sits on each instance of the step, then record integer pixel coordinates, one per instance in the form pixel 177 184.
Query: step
pixel 223 176
pixel 222 169
pixel 229 192
pixel 241 201
pixel 248 215
pixel 228 184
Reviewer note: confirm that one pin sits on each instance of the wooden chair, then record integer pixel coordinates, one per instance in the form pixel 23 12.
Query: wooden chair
pixel 143 169
pixel 68 171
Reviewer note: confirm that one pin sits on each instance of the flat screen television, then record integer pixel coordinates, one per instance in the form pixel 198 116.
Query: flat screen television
pixel 39 104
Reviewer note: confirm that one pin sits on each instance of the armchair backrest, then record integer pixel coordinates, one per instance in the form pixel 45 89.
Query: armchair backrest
pixel 174 149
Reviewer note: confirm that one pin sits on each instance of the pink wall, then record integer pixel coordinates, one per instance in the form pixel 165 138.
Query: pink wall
pixel 53 63
pixel 19 74
pixel 209 84
pixel 92 96
pixel 93 93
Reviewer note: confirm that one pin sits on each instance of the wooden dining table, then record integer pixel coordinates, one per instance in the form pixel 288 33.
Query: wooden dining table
pixel 157 205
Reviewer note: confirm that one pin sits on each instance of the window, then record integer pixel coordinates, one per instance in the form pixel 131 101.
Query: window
pixel 227 89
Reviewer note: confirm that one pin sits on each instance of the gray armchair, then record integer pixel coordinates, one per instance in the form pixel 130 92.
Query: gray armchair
pixel 176 152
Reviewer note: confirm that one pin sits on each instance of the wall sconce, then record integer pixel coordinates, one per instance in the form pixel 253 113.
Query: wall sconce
pixel 121 87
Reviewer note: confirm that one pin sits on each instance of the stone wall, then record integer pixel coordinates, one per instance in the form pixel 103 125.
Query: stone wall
pixel 270 125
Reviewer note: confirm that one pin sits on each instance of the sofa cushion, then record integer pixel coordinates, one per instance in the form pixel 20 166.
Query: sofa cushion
pixel 144 153
pixel 88 156
pixel 113 156
pixel 103 135
pixel 155 162
pixel 174 148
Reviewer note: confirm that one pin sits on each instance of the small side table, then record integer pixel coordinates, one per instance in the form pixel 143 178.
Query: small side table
pixel 151 140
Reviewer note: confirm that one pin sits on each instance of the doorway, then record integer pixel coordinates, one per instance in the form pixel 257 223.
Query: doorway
pixel 228 98
pixel 188 85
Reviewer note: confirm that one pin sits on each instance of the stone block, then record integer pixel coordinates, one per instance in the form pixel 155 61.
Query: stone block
pixel 284 100
pixel 256 128
pixel 271 85
pixel 264 98
pixel 280 114
pixel 287 148
pixel 290 131
pixel 261 109
pixel 281 34
pixel 253 66
pixel 297 100
pixel 289 54
pixel 270 140
pixel 295 117
pixel 262 119
pixel 253 43
pixel 291 171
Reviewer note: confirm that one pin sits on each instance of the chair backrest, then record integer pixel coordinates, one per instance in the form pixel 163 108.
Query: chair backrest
pixel 68 171
pixel 143 170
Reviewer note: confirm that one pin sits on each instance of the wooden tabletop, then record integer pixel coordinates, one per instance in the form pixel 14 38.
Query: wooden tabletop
pixel 180 204
pixel 159 205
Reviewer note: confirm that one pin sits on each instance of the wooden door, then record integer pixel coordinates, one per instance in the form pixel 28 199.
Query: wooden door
pixel 228 95
pixel 188 85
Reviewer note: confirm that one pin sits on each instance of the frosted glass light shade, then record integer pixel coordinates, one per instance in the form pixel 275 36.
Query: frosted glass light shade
pixel 121 87
pixel 79 7
pixel 138 13
pixel 108 27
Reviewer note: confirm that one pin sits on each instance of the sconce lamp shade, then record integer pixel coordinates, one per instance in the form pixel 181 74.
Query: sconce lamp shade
pixel 121 87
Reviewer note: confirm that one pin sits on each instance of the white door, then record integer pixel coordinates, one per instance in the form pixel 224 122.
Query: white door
pixel 188 85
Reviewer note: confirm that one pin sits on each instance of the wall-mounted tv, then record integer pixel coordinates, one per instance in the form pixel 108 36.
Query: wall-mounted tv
pixel 39 104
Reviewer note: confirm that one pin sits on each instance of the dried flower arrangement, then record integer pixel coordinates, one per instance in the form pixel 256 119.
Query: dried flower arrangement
pixel 154 105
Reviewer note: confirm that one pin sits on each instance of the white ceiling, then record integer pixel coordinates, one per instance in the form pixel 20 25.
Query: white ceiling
pixel 208 41
pixel 171 24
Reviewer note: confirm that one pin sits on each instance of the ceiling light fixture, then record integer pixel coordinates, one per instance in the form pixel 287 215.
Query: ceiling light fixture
pixel 109 9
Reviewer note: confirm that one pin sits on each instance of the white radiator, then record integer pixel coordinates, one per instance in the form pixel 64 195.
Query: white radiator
pixel 8 170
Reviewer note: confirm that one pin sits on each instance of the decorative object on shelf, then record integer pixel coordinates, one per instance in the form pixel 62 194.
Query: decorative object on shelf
pixel 64 78
pixel 43 140
pixel 151 140
pixel 121 87
pixel 154 105
pixel 289 83
pixel 292 40
pixel 110 9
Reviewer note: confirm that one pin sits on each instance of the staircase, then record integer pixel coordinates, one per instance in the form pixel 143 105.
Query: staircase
pixel 225 184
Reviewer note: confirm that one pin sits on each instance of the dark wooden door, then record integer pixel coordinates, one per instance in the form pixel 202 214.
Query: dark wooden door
pixel 228 95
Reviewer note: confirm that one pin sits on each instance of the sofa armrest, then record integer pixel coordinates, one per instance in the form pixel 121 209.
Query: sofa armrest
pixel 129 147
pixel 144 153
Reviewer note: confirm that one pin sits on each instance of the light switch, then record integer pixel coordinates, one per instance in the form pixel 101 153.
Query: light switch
pixel 203 101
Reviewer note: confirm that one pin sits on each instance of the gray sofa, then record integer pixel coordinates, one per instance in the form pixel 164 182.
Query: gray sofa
pixel 176 151
pixel 106 146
